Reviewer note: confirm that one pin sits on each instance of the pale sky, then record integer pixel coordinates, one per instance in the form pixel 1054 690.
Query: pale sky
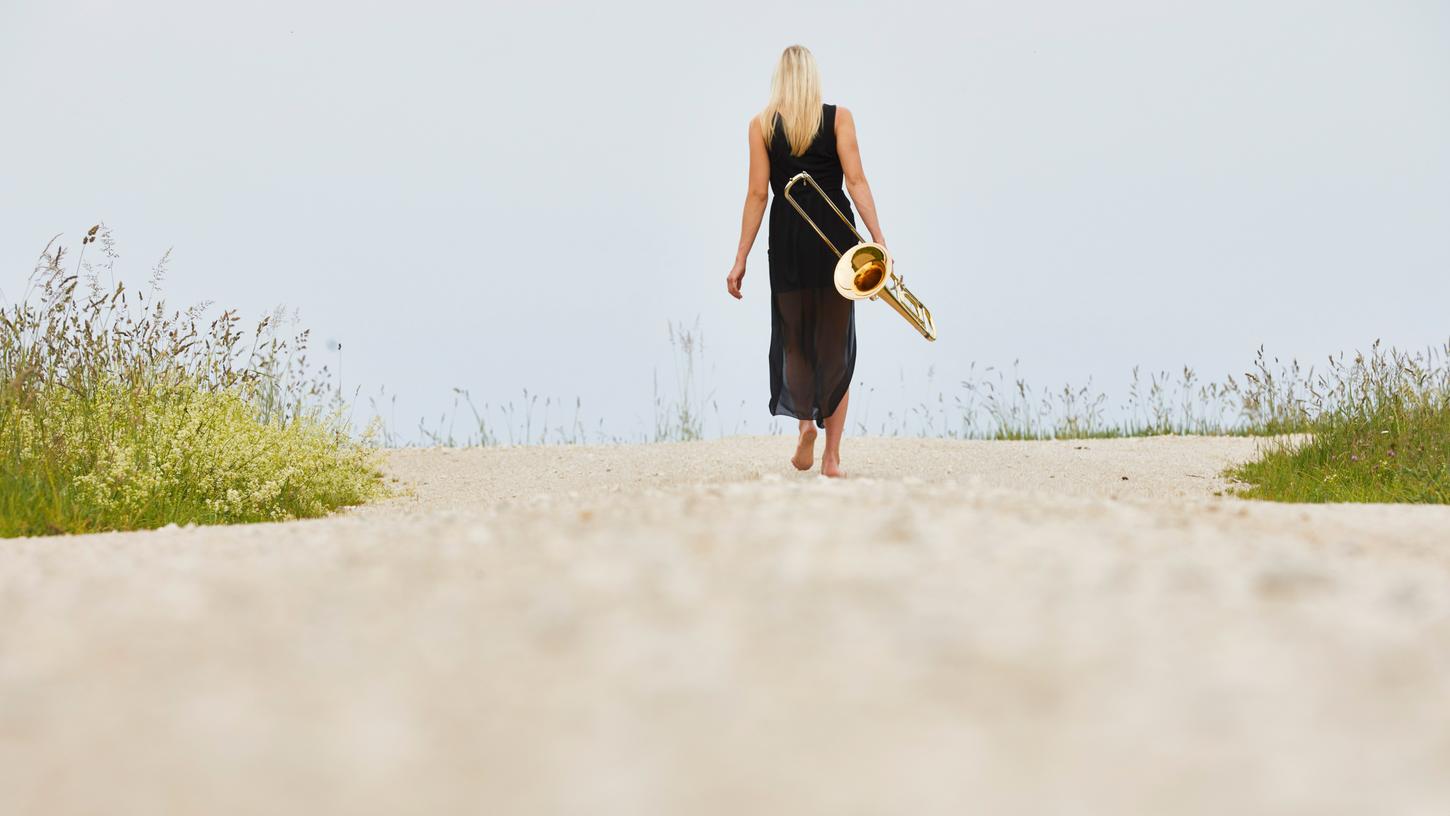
pixel 502 197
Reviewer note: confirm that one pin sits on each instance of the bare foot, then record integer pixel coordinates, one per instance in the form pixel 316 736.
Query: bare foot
pixel 831 466
pixel 805 450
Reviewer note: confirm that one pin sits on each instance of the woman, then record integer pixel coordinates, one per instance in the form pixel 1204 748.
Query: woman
pixel 812 327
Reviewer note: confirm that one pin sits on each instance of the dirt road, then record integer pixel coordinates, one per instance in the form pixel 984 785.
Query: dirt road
pixel 960 627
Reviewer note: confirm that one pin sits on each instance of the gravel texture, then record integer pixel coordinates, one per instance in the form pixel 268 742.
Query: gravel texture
pixel 960 627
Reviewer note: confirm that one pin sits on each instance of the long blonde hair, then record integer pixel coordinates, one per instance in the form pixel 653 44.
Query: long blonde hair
pixel 795 93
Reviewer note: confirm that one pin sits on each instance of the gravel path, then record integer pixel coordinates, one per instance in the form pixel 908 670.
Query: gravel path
pixel 961 627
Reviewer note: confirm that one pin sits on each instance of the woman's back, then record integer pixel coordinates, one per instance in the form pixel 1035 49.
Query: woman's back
pixel 820 159
pixel 798 256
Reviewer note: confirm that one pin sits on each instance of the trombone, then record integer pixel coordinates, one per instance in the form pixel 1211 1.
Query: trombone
pixel 866 270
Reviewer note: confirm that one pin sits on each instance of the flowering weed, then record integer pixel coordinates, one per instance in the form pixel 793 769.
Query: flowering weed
pixel 116 413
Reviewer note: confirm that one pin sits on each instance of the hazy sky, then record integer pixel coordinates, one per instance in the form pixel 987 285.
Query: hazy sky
pixel 517 196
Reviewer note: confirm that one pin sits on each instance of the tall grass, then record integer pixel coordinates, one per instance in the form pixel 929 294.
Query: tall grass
pixel 996 403
pixel 1270 398
pixel 681 412
pixel 1379 432
pixel 118 413
pixel 988 404
pixel 1374 427
pixel 681 418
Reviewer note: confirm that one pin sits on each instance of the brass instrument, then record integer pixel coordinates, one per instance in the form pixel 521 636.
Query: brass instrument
pixel 865 270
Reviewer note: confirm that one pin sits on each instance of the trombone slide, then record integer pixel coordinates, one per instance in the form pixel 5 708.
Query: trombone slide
pixel 866 269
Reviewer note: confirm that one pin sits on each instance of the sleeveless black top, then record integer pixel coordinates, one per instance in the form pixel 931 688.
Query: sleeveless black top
pixel 797 254
pixel 812 327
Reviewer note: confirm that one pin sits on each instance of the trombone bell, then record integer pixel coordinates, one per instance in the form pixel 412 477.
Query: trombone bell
pixel 862 271
pixel 865 271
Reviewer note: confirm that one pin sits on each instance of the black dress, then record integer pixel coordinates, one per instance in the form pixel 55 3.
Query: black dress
pixel 812 327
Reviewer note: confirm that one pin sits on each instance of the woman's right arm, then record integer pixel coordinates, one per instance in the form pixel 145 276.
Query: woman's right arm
pixel 755 197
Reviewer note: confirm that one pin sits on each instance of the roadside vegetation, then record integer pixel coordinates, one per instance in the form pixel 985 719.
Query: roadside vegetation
pixel 1379 431
pixel 117 413
pixel 1371 428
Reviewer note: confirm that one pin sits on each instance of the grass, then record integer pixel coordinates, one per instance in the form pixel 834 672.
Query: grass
pixel 1373 428
pixel 117 413
pixel 993 404
pixel 680 412
pixel 1380 432
pixel 988 404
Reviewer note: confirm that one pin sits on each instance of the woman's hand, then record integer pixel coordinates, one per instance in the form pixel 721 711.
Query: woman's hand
pixel 733 280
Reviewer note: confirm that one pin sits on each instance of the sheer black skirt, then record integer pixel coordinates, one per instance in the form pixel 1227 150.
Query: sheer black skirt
pixel 812 352
pixel 812 327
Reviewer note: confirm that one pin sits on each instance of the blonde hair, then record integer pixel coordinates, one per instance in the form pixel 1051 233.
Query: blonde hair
pixel 795 94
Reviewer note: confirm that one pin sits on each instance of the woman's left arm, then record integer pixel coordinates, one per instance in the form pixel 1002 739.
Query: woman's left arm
pixel 755 198
pixel 850 155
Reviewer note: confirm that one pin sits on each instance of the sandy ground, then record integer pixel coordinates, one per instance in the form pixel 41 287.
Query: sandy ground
pixel 961 627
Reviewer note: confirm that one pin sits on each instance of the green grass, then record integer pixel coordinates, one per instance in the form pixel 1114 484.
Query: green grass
pixel 1366 429
pixel 118 414
pixel 1372 428
pixel 1380 432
